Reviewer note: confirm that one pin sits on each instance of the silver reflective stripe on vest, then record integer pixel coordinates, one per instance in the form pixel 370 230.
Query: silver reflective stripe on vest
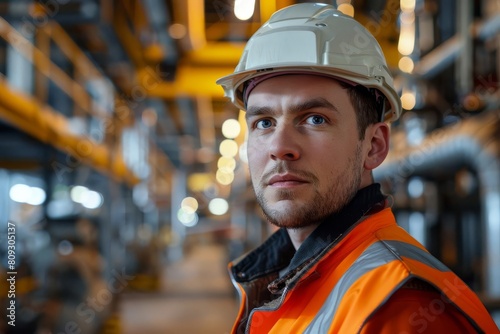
pixel 376 255
pixel 401 248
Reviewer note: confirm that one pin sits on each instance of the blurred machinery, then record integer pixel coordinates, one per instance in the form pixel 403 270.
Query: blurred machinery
pixel 117 148
pixel 446 193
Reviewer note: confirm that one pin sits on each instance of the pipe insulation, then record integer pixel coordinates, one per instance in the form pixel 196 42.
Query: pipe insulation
pixel 473 143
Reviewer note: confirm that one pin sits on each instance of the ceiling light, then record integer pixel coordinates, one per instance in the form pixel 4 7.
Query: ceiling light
pixel 226 164
pixel 231 128
pixel 228 148
pixel 243 9
pixel 37 196
pixel 19 193
pixel 347 9
pixel 92 199
pixel 224 177
pixel 408 100
pixel 406 64
pixel 188 219
pixel 218 206
pixel 189 204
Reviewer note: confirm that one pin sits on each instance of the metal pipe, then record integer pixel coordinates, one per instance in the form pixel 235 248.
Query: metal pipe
pixel 465 58
pixel 446 53
pixel 474 143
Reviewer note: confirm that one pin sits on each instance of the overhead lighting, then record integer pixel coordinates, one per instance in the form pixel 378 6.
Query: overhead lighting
pixel 189 204
pixel 218 206
pixel 87 198
pixel 406 42
pixel 224 177
pixel 19 193
pixel 226 164
pixel 92 200
pixel 408 100
pixel 407 5
pixel 347 9
pixel 244 9
pixel 231 128
pixel 406 64
pixel 228 148
pixel 37 196
pixel 188 219
pixel 22 193
pixel 77 193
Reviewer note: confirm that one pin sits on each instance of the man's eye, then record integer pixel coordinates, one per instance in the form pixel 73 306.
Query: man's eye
pixel 316 120
pixel 263 124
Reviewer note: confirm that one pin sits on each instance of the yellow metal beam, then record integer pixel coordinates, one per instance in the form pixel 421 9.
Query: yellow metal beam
pixel 47 68
pixel 41 81
pixel 127 37
pixel 219 54
pixel 135 12
pixel 71 50
pixel 51 127
pixel 267 8
pixel 195 18
pixel 190 81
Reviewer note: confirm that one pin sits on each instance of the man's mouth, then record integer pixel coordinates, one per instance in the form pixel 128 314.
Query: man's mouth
pixel 286 180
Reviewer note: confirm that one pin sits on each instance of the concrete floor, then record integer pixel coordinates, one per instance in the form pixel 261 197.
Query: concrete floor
pixel 196 296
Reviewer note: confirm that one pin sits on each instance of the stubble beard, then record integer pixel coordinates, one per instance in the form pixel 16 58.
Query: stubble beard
pixel 343 188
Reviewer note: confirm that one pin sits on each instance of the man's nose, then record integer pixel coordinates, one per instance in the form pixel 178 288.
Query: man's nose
pixel 284 144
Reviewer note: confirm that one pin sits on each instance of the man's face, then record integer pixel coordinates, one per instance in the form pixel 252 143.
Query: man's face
pixel 304 152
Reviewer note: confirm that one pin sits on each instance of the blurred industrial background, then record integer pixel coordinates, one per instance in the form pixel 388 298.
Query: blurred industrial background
pixel 123 172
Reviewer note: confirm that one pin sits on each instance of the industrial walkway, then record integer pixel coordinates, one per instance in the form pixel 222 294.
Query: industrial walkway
pixel 196 296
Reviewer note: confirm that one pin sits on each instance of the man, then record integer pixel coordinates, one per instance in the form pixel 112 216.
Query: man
pixel 318 96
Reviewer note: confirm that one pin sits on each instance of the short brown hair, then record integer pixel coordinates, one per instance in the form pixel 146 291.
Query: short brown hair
pixel 365 105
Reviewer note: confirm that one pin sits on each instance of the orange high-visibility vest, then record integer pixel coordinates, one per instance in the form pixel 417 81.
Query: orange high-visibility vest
pixel 341 290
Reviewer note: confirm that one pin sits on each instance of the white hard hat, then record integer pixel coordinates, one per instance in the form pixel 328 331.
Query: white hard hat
pixel 318 39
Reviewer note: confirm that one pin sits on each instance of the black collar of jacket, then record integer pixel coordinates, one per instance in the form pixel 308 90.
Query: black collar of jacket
pixel 277 252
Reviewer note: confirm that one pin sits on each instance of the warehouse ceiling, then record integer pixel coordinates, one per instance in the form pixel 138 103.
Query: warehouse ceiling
pixel 175 50
pixel 162 56
pixel 158 60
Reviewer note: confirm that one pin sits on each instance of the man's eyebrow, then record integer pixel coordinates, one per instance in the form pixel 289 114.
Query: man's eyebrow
pixel 318 102
pixel 256 111
pixel 313 103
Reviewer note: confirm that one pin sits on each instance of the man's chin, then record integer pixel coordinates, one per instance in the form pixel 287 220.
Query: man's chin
pixel 283 222
pixel 288 214
pixel 286 207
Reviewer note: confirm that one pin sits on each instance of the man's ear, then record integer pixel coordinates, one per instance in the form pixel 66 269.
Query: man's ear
pixel 377 139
